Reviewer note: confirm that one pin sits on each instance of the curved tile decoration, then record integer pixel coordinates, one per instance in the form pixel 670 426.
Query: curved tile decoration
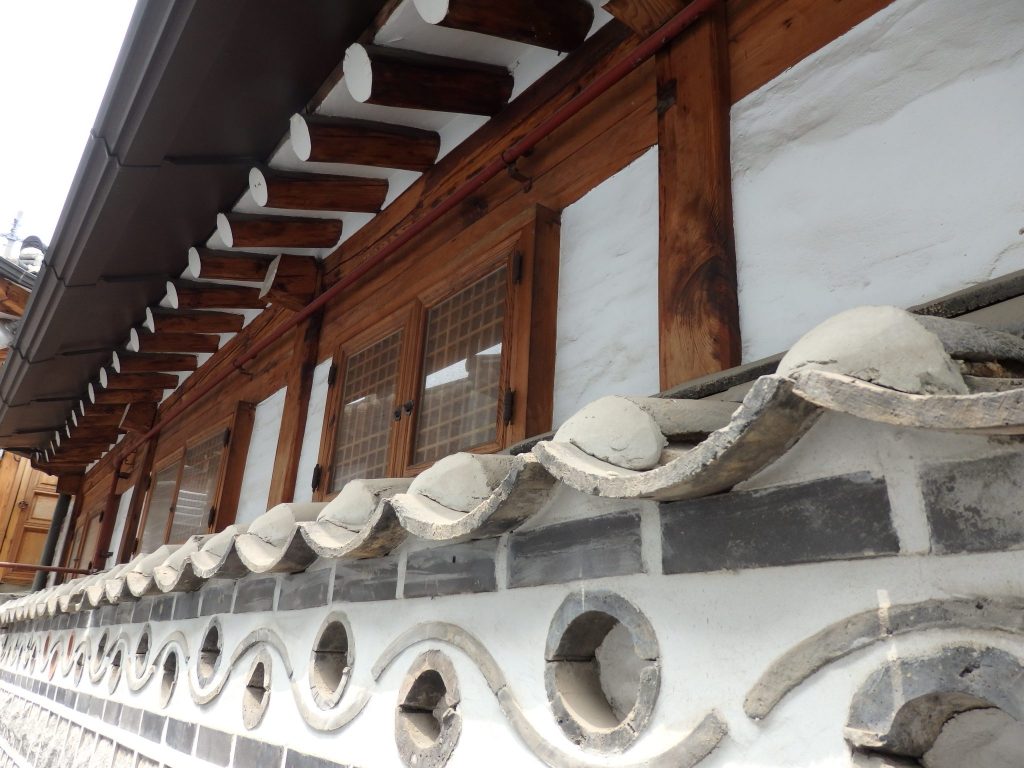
pixel 983 412
pixel 272 545
pixel 473 495
pixel 360 522
pixel 771 418
pixel 691 749
pixel 864 629
pixel 885 714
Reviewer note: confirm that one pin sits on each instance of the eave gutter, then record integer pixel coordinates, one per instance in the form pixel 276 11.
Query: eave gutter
pixel 148 43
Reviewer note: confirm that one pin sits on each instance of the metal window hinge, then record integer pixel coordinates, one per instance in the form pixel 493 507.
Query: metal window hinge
pixel 508 405
pixel 227 438
pixel 517 267
pixel 212 517
pixel 318 472
pixel 332 374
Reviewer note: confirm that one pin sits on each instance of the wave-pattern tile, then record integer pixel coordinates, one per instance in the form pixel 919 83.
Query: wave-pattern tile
pixel 473 495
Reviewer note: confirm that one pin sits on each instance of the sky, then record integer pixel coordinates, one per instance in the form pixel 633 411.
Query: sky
pixel 56 57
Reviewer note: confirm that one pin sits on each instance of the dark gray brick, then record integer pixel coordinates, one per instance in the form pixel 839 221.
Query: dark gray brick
pixel 186 606
pixel 255 595
pixel 112 713
pixel 152 727
pixel 608 545
pixel 130 719
pixel 143 610
pixel 107 615
pixel 451 570
pixel 975 506
pixel 298 760
pixel 213 746
pixel 836 518
pixel 305 590
pixel 250 753
pixel 96 707
pixel 83 702
pixel 180 735
pixel 360 581
pixel 163 608
pixel 217 599
pixel 125 609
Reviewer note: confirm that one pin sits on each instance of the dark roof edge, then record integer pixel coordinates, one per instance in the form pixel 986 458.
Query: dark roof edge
pixel 147 45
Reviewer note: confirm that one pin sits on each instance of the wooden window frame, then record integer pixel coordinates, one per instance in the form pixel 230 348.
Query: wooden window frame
pixel 229 472
pixel 530 255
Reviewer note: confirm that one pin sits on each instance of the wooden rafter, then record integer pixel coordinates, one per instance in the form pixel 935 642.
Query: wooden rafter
pixel 208 264
pixel 560 26
pixel 244 231
pixel 291 281
pixel 320 139
pixel 316 192
pixel 196 321
pixel 398 78
pixel 186 294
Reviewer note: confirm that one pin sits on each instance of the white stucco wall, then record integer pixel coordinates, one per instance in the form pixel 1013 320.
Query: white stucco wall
pixel 259 462
pixel 886 168
pixel 608 291
pixel 308 455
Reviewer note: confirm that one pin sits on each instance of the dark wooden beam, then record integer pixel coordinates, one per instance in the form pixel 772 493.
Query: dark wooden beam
pixel 13 297
pixel 293 418
pixel 88 432
pixel 316 192
pixel 196 321
pixel 123 397
pixel 399 78
pixel 136 381
pixel 359 142
pixel 561 25
pixel 209 264
pixel 244 231
pixel 698 310
pixel 70 483
pixel 139 418
pixel 102 415
pixel 644 16
pixel 173 342
pixel 291 281
pixel 185 294
pixel 146 362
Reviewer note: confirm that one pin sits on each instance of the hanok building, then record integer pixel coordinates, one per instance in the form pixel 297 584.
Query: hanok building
pixel 411 373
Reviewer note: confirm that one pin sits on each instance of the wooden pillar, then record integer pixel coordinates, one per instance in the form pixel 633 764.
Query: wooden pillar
pixel 293 419
pixel 698 309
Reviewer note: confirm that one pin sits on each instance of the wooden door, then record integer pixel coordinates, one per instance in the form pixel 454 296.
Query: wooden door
pixel 31 500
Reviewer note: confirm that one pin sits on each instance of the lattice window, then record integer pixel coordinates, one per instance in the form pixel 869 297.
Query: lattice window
pixel 161 505
pixel 367 403
pixel 198 486
pixel 458 404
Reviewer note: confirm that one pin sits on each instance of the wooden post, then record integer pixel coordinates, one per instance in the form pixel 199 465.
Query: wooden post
pixel 698 310
pixel 226 502
pixel 293 419
pixel 142 480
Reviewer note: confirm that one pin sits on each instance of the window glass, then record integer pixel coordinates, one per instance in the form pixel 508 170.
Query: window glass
pixel 198 486
pixel 462 370
pixel 161 502
pixel 367 404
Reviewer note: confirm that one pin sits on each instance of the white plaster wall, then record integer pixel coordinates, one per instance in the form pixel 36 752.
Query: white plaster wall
pixel 608 291
pixel 886 168
pixel 122 513
pixel 259 462
pixel 310 450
